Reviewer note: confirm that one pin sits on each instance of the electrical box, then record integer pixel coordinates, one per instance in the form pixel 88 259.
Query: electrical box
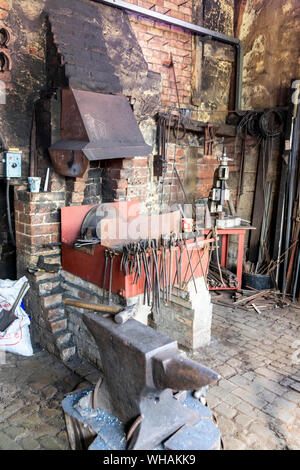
pixel 13 164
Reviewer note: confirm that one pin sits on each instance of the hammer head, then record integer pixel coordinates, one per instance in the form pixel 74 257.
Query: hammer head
pixel 125 314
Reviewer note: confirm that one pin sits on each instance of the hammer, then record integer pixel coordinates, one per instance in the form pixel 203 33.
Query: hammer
pixel 121 315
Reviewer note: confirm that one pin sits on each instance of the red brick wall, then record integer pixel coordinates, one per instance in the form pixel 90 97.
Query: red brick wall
pixel 37 224
pixel 159 40
pixel 5 6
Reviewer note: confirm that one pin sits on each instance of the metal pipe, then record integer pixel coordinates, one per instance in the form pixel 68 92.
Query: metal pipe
pixel 203 34
pixel 296 276
pixel 292 167
pixel 11 232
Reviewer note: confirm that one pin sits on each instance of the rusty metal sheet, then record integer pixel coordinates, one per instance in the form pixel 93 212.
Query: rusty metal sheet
pixel 102 126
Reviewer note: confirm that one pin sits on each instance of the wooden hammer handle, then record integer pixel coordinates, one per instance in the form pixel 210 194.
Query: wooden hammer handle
pixel 96 307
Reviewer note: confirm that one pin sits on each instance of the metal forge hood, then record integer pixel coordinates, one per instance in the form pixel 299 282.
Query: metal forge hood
pixel 95 126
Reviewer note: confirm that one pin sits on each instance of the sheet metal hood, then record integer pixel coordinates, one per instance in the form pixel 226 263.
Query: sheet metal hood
pixel 95 126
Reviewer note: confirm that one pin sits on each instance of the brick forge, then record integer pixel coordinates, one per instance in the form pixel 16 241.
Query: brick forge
pixel 59 328
pixel 149 83
pixel 38 232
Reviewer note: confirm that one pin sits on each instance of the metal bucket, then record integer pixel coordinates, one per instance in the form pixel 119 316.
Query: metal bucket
pixel 257 281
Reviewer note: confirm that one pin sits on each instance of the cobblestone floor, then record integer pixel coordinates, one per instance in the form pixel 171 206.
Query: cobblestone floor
pixel 31 392
pixel 256 402
pixel 258 356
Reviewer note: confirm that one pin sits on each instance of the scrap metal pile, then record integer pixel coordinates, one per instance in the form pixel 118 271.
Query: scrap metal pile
pixel 252 299
pixel 218 276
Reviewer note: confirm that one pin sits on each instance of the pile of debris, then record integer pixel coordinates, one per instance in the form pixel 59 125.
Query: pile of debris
pixel 259 300
pixel 218 276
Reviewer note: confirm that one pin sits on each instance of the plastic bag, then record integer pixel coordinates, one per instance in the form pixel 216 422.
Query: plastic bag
pixel 16 338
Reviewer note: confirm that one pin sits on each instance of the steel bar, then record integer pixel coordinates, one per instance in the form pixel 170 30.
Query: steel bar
pixel 188 267
pixel 293 250
pixel 296 276
pixel 171 20
pixel 280 237
pixel 252 297
pixel 177 269
pixel 215 235
pixel 292 166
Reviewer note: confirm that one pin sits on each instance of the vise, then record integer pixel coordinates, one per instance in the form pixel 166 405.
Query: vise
pixel 142 371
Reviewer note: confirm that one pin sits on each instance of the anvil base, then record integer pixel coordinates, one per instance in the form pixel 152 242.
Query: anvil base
pixel 99 430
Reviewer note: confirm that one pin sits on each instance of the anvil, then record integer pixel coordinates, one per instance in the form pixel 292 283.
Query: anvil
pixel 142 369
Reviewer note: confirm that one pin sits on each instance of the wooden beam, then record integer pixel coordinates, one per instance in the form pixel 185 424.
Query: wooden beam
pixel 192 125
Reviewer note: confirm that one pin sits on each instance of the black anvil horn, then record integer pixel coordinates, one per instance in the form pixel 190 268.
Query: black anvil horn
pixel 178 372
pixel 142 368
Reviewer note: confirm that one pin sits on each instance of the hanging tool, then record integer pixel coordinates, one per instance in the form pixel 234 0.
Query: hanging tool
pixel 86 242
pixel 180 122
pixel 177 268
pixel 156 278
pixel 112 255
pixel 33 149
pixel 190 264
pixel 209 136
pixel 106 255
pixel 172 241
pixel 179 241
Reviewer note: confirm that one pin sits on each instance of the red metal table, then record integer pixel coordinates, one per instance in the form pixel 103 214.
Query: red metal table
pixel 240 231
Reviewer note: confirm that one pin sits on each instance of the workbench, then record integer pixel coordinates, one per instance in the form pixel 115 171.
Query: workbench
pixel 240 231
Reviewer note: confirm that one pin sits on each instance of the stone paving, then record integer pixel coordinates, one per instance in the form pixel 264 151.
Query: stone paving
pixel 256 402
pixel 31 392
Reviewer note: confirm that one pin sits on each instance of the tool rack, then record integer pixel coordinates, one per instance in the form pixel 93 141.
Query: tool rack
pixel 88 262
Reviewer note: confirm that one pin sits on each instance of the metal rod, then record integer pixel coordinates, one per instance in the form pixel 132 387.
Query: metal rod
pixel 203 34
pixel 280 240
pixel 296 276
pixel 292 167
pixel 190 264
pixel 171 20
